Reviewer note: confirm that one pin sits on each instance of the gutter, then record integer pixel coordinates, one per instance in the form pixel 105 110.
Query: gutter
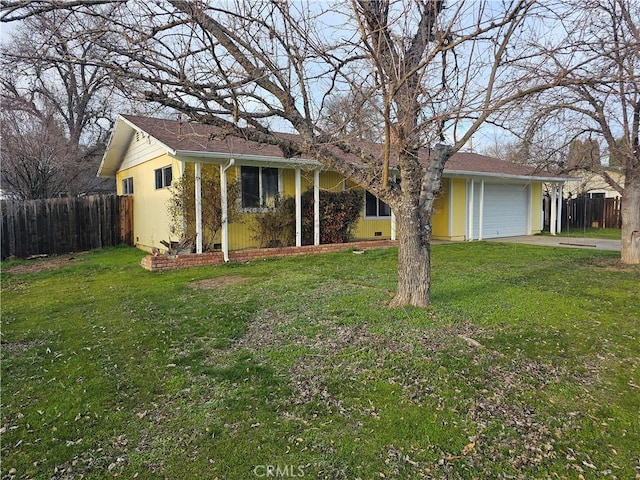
pixel 246 159
pixel 464 173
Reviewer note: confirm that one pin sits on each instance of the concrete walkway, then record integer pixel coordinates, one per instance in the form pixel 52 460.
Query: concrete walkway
pixel 558 241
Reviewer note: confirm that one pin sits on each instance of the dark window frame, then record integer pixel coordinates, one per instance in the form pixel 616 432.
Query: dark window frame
pixel 163 177
pixel 375 208
pixel 259 186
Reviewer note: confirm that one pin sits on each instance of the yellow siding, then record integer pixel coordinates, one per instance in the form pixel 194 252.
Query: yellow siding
pixel 367 228
pixel 458 208
pixel 332 181
pixel 152 222
pixel 440 219
pixel 536 207
pixel 242 232
pixel 372 229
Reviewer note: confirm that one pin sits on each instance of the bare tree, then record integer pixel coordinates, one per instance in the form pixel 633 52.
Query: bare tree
pixel 601 99
pixel 352 117
pixel 584 154
pixel 32 149
pixel 437 74
pixel 45 88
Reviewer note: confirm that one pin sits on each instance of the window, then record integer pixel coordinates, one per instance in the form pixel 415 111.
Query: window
pixel 259 186
pixel 164 176
pixel 127 186
pixel 374 207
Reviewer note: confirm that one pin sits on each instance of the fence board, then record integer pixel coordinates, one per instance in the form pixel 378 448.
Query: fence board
pixel 585 212
pixel 63 225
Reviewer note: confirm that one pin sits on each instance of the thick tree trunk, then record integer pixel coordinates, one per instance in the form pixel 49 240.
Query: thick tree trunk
pixel 413 218
pixel 414 259
pixel 630 212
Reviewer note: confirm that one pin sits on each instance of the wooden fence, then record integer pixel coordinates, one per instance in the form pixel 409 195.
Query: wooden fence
pixel 63 225
pixel 585 212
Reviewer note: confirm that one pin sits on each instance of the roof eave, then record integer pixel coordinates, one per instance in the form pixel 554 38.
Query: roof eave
pixel 244 159
pixel 537 178
pixel 119 141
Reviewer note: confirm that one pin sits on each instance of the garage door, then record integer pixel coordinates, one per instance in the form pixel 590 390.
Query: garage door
pixel 506 212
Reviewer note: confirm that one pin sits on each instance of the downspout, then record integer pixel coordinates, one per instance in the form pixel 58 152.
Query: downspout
pixel 470 210
pixel 198 196
pixel 298 206
pixel 225 208
pixel 481 211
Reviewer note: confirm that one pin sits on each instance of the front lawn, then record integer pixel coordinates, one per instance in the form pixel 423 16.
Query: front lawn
pixel 525 366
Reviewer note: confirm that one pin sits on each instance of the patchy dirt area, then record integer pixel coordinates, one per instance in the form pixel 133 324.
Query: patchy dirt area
pixel 218 282
pixel 615 265
pixel 42 264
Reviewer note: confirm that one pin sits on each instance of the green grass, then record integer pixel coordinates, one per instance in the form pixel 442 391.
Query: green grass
pixel 298 364
pixel 591 232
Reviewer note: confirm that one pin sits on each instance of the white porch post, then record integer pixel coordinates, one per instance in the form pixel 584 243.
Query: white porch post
pixel 554 206
pixel 393 226
pixel 298 208
pixel 481 210
pixel 559 227
pixel 531 209
pixel 316 207
pixel 470 216
pixel 183 167
pixel 225 208
pixel 198 194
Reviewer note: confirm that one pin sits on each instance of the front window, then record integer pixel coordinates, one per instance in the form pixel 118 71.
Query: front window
pixel 163 176
pixel 374 207
pixel 259 186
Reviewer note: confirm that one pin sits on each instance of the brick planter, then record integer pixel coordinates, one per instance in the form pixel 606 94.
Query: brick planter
pixel 174 262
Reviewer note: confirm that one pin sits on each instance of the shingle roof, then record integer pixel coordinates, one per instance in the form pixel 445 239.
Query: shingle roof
pixel 196 137
pixel 188 137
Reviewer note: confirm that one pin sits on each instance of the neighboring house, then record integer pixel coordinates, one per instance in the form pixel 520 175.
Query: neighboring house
pixel 482 197
pixel 594 185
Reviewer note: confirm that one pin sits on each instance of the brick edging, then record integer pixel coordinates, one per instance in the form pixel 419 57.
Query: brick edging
pixel 174 262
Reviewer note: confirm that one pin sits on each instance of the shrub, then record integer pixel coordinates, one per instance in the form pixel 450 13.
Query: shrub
pixel 277 226
pixel 182 205
pixel 339 212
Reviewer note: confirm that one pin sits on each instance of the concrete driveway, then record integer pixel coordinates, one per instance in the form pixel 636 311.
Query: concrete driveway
pixel 559 241
pixel 568 242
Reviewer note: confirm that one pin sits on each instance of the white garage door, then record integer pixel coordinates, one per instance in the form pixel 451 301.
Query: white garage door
pixel 506 212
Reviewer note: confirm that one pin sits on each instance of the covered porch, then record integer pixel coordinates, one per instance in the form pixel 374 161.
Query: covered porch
pixel 300 174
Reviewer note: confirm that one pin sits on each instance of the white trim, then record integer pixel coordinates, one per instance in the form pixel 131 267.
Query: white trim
pixel 470 210
pixel 225 209
pixel 554 215
pixel 377 216
pixel 249 160
pixel 260 187
pixel 481 210
pixel 298 208
pixel 530 210
pixel 394 226
pixel 198 198
pixel 559 220
pixel 450 220
pixel 507 176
